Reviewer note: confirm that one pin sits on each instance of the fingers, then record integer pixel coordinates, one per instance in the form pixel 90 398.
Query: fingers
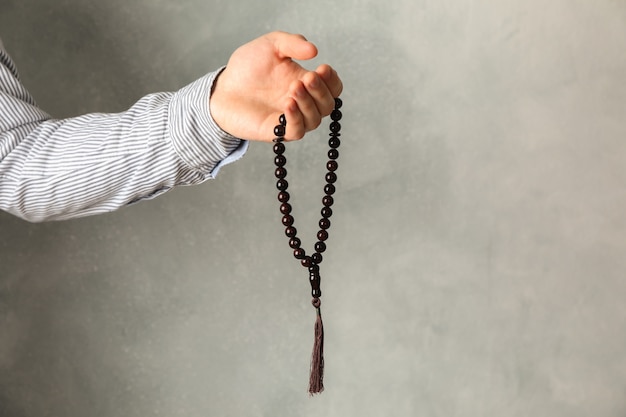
pixel 311 98
pixel 288 45
pixel 331 78
pixel 308 116
pixel 295 123
pixel 319 92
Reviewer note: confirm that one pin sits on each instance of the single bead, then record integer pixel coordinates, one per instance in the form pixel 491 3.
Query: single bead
pixel 279 130
pixel 291 231
pixel 285 208
pixel 328 201
pixel 335 127
pixel 282 184
pixel 279 148
pixel 294 243
pixel 314 270
pixel 330 165
pixel 316 301
pixel 317 258
pixel 280 160
pixel 280 172
pixel 322 235
pixel 327 212
pixel 336 115
pixel 299 253
pixel 315 281
pixel 307 261
pixel 287 220
pixel 331 177
pixel 316 293
pixel 333 154
pixel 334 143
pixel 324 224
pixel 329 189
pixel 338 103
pixel 283 120
pixel 283 196
pixel 320 247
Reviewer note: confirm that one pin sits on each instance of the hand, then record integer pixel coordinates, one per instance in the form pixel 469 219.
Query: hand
pixel 261 81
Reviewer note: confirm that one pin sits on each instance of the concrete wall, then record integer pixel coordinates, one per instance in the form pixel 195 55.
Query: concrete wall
pixel 477 255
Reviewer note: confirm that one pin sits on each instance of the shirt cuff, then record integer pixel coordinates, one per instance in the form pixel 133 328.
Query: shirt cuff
pixel 196 137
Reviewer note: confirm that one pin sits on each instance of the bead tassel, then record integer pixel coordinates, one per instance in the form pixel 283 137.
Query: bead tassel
pixel 316 378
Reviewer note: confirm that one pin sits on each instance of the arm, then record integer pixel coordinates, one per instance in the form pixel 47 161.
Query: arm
pixel 58 169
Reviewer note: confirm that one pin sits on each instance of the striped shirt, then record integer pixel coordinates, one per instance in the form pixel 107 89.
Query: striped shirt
pixel 54 169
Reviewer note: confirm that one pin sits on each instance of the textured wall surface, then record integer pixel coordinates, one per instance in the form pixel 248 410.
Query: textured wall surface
pixel 477 255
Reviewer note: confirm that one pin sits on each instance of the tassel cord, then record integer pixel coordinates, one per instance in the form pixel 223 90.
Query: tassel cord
pixel 316 378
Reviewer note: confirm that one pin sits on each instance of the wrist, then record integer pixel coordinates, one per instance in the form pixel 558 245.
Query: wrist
pixel 218 102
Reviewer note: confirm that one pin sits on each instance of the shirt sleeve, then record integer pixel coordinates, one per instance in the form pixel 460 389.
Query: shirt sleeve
pixel 54 169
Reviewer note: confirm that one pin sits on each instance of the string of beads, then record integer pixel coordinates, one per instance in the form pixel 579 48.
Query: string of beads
pixel 311 262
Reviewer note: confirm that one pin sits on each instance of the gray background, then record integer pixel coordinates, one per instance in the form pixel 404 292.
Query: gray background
pixel 477 255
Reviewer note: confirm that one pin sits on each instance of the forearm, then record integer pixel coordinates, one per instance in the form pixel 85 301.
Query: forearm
pixel 58 169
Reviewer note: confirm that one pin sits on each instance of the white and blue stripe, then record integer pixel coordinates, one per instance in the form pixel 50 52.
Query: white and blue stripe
pixel 59 169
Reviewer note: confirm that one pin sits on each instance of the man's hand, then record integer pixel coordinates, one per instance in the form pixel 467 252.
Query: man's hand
pixel 261 81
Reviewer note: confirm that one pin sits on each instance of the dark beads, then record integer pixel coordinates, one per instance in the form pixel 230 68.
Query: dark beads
pixel 280 160
pixel 324 223
pixel 316 293
pixel 317 258
pixel 285 208
pixel 282 184
pixel 283 196
pixel 279 130
pixel 279 148
pixel 280 172
pixel 311 262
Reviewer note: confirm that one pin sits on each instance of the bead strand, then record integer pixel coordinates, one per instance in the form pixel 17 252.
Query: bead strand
pixel 311 262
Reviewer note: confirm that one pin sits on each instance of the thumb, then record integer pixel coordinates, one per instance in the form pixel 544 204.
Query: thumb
pixel 288 45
